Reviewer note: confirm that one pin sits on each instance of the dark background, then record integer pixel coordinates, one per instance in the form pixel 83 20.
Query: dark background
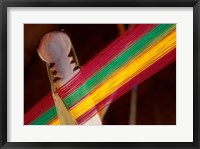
pixel 156 96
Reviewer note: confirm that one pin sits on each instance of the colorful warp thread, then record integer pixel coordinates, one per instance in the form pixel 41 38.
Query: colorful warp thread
pixel 136 55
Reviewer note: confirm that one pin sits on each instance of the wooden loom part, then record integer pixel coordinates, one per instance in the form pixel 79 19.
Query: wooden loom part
pixel 56 50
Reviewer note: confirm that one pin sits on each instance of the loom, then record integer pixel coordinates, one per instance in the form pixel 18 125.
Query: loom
pixel 133 57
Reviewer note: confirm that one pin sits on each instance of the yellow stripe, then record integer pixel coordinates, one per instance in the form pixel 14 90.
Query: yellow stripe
pixel 55 122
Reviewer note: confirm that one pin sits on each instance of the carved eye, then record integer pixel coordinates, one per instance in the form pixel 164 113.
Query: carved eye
pixel 76 68
pixel 54 72
pixel 72 61
pixel 51 65
pixel 56 79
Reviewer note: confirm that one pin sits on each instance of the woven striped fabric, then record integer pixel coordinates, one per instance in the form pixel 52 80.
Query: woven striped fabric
pixel 133 57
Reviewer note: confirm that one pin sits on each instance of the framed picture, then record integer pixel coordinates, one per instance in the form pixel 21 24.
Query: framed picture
pixel 86 74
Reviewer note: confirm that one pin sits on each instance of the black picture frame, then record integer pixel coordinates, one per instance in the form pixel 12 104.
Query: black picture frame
pixel 4 4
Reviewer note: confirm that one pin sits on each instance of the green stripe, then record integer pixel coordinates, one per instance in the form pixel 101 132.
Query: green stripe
pixel 153 36
pixel 46 117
